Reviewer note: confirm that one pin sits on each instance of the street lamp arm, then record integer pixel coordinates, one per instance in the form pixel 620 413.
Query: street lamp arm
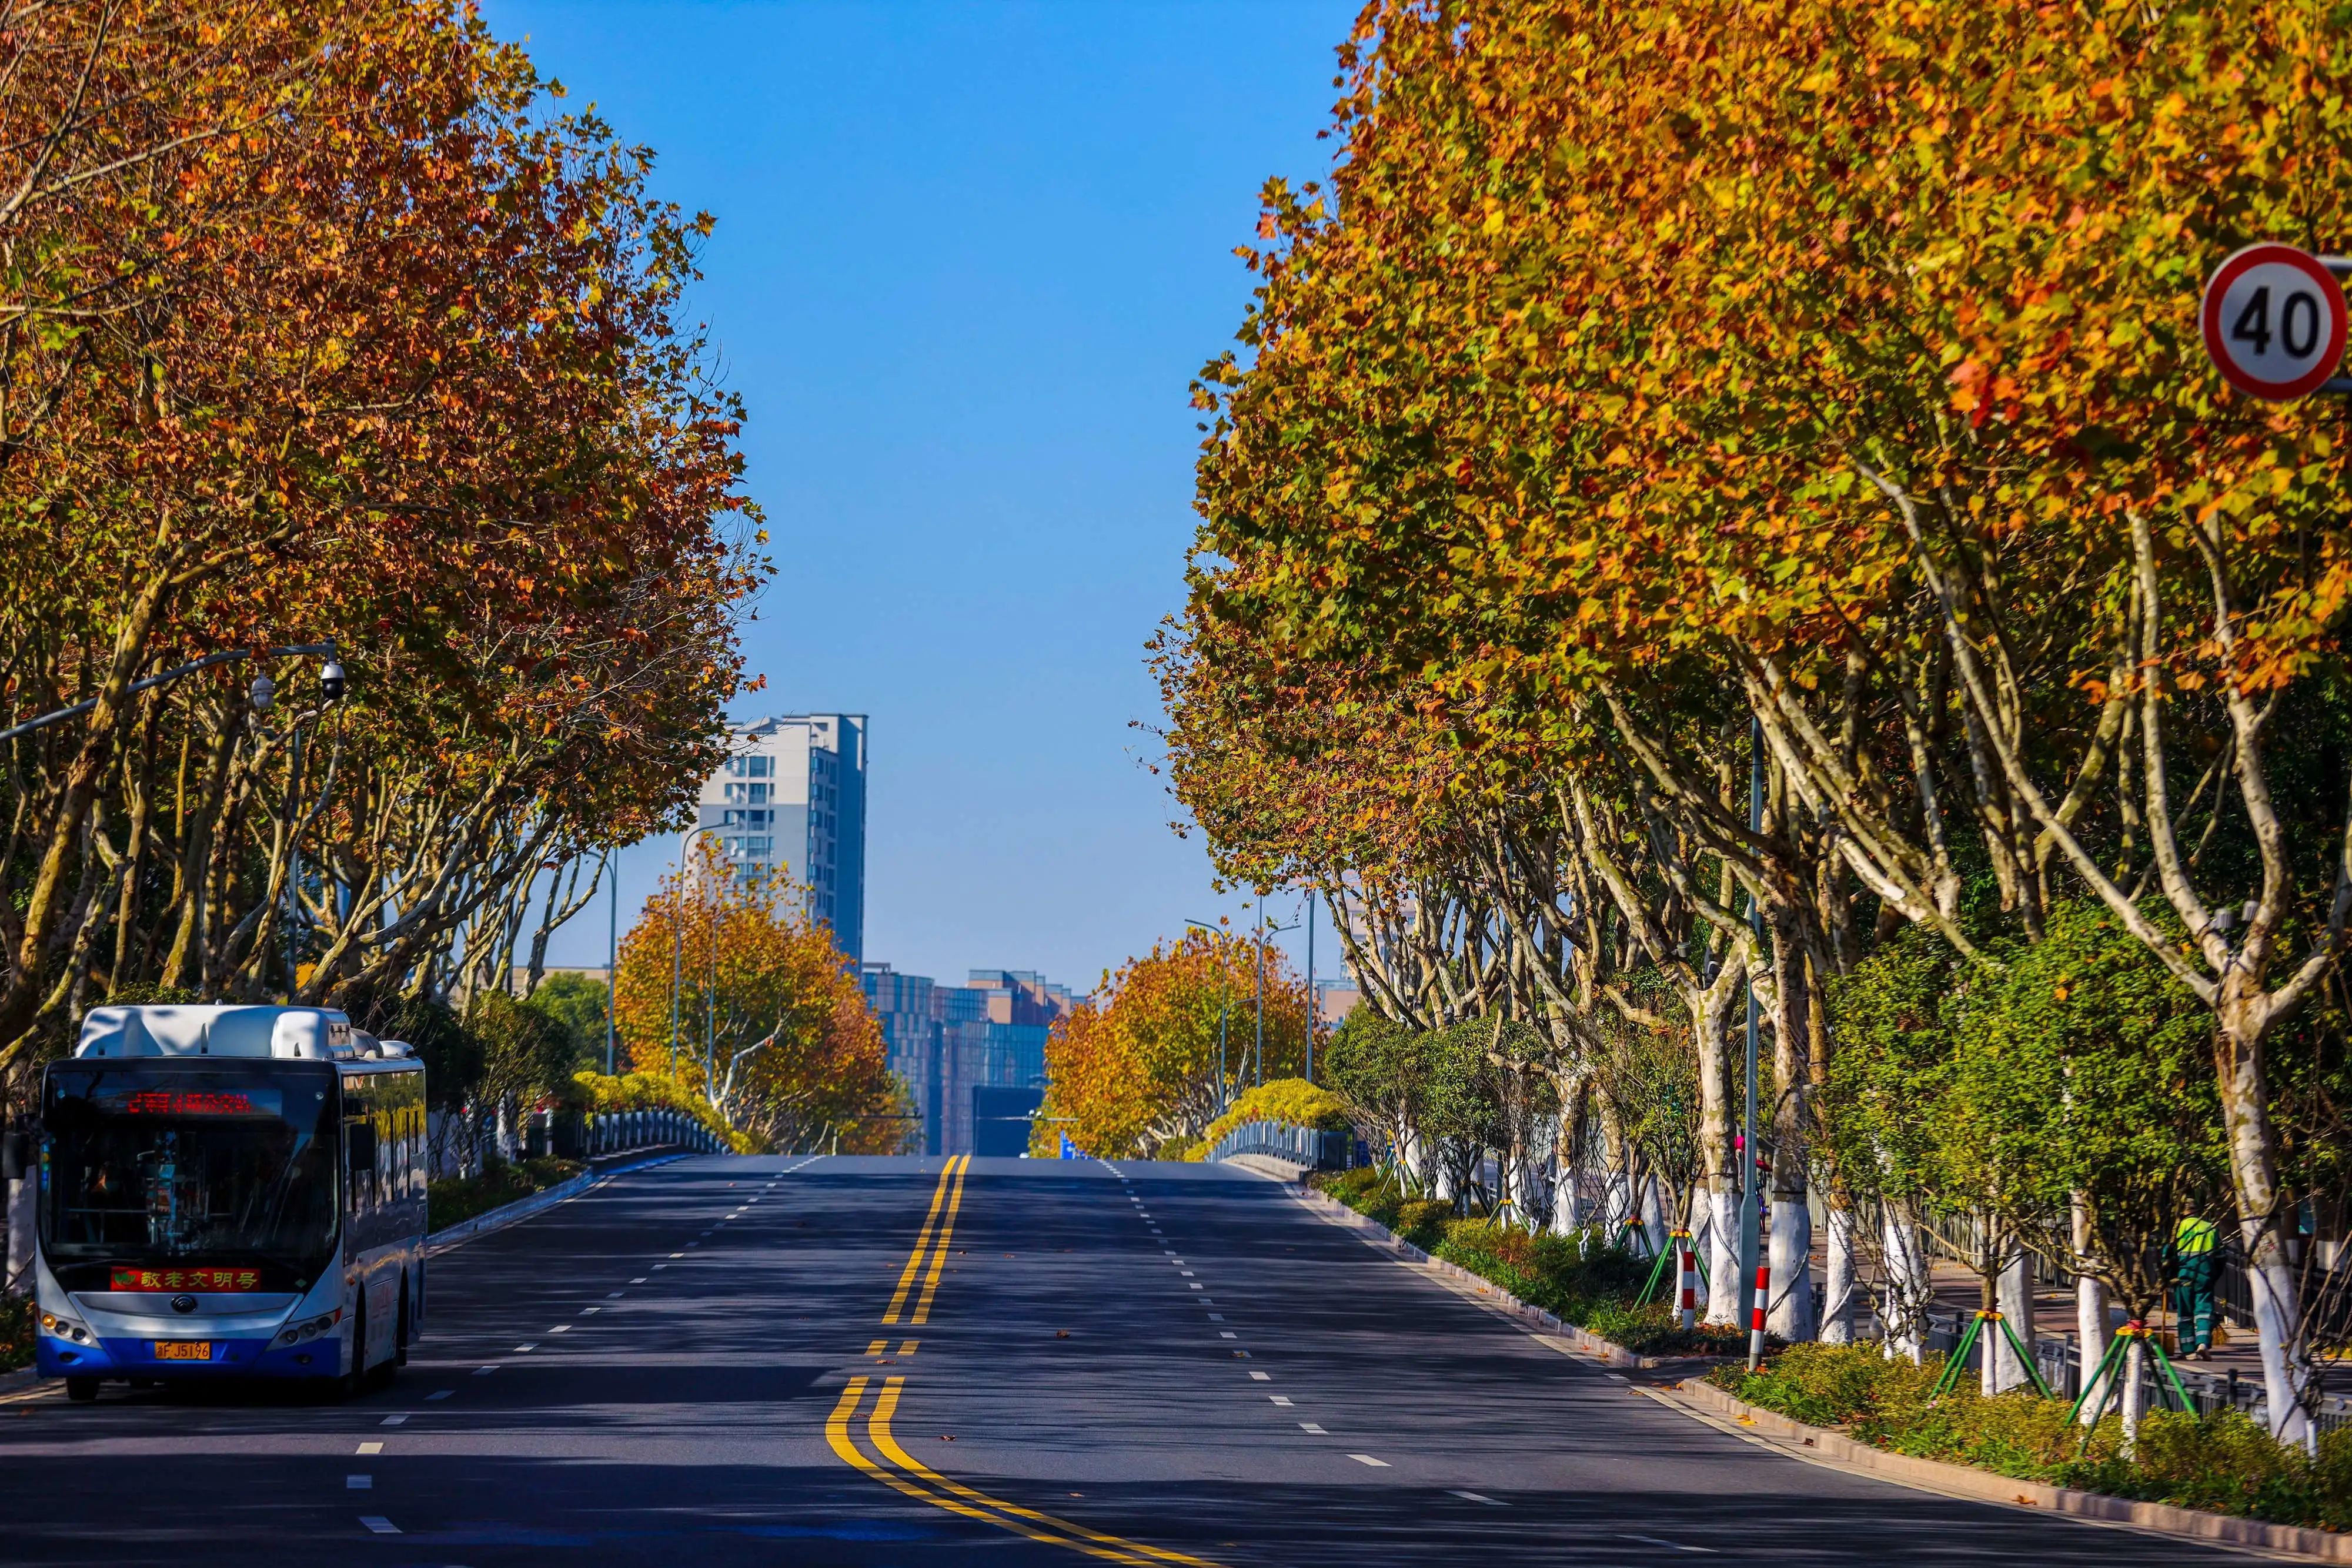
pixel 166 677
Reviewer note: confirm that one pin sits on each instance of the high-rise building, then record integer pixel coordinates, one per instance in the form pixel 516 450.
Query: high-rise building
pixel 792 798
pixel 948 1043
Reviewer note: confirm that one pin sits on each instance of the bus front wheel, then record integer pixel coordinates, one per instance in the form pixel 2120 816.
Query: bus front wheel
pixel 81 1390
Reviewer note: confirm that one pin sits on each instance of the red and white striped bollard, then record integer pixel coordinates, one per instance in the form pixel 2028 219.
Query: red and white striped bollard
pixel 1763 1304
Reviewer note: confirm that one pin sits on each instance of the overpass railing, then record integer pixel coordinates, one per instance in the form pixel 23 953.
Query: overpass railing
pixel 1308 1146
pixel 592 1135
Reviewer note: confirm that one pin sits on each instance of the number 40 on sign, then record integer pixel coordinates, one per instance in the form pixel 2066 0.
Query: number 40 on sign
pixel 2273 321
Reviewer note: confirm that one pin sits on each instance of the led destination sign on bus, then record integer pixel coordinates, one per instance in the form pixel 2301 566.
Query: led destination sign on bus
pixel 192 1103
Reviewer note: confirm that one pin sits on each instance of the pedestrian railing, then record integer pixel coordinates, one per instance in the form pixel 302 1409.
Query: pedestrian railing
pixel 2060 1361
pixel 592 1135
pixel 1309 1146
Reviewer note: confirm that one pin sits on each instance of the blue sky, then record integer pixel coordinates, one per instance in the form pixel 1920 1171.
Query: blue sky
pixel 969 256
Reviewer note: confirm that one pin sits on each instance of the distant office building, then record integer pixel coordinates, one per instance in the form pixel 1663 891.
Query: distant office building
pixel 949 1043
pixel 792 798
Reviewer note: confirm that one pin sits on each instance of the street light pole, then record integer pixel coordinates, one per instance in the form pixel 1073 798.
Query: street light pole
pixel 1264 931
pixel 612 959
pixel 1750 1240
pixel 1314 1008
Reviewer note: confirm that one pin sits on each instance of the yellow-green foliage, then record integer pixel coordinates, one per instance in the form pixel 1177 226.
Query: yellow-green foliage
pixel 1291 1100
pixel 2224 1463
pixel 650 1092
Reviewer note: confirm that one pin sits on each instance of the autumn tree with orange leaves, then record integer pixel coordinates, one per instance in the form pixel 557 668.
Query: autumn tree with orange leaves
pixel 1647 375
pixel 729 988
pixel 326 322
pixel 1133 1071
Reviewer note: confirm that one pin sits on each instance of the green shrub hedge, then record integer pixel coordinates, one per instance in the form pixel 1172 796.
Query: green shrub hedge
pixel 2222 1463
pixel 1585 1280
pixel 458 1199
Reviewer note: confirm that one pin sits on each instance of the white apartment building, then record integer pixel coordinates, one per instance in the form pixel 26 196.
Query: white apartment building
pixel 793 800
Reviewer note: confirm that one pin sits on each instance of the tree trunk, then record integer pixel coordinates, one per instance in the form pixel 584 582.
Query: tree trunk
pixel 21 1200
pixel 1838 1288
pixel 2016 1306
pixel 2090 1307
pixel 2134 1393
pixel 2262 1214
pixel 1905 1291
pixel 1723 1292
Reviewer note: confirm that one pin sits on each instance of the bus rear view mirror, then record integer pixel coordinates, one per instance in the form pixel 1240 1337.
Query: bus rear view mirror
pixel 359 1147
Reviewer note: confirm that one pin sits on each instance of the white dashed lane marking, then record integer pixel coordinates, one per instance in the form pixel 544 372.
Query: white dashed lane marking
pixel 358 1484
pixel 1669 1545
pixel 396 1420
pixel 1476 1497
pixel 1311 1426
pixel 1280 1399
pixel 1368 1459
pixel 441 1393
pixel 371 1448
pixel 379 1525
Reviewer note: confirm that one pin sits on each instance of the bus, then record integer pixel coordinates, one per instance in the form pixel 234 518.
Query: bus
pixel 230 1192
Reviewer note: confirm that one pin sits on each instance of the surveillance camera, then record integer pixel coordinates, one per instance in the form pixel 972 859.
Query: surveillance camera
pixel 262 692
pixel 330 680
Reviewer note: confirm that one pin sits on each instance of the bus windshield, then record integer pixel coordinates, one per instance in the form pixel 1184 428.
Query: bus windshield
pixel 168 1165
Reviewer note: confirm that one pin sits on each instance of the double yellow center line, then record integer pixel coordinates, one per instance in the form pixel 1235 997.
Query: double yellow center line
pixel 901 1472
pixel 939 1229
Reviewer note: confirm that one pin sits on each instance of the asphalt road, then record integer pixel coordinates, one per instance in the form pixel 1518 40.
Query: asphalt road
pixel 727 1361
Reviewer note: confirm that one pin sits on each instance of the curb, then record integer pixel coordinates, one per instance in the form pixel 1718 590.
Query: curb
pixel 1703 1401
pixel 499 1218
pixel 1489 1294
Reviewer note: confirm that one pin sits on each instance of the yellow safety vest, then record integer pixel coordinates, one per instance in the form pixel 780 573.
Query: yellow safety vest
pixel 2194 1238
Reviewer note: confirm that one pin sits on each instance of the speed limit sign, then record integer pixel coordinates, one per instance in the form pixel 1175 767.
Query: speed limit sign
pixel 2273 319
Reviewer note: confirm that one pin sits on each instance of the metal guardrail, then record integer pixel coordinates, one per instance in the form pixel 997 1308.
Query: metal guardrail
pixel 1308 1146
pixel 591 1135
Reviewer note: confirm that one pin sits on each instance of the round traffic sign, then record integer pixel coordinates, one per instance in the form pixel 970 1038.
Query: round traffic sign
pixel 2273 319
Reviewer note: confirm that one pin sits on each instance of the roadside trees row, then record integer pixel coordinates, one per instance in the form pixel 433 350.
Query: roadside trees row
pixel 1641 383
pixel 326 322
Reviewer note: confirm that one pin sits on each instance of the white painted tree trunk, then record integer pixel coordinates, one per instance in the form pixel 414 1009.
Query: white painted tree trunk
pixel 1791 1252
pixel 2091 1327
pixel 1907 1290
pixel 2015 1301
pixel 1838 1286
pixel 1723 1292
pixel 2134 1393
pixel 2090 1308
pixel 2263 1208
pixel 2275 1312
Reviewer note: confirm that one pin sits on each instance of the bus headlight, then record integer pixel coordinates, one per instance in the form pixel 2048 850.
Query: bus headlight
pixel 294 1334
pixel 65 1327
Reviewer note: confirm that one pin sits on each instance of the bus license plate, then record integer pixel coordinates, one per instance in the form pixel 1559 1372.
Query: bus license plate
pixel 184 1350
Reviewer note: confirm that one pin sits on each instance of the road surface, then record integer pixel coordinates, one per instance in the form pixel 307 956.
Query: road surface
pixel 724 1361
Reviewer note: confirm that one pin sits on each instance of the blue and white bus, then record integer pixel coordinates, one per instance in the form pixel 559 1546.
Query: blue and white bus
pixel 230 1192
